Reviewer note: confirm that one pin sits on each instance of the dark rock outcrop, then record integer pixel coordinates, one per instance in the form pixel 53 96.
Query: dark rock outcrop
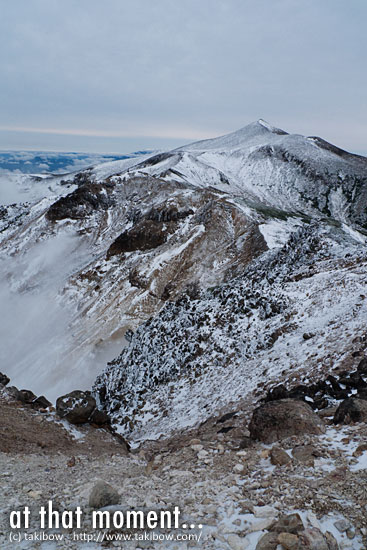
pixel 81 202
pixel 277 420
pixel 168 214
pixel 99 417
pixel 13 392
pixel 322 393
pixel 76 406
pixel 145 235
pixel 26 396
pixel 4 380
pixel 351 410
pixel 41 403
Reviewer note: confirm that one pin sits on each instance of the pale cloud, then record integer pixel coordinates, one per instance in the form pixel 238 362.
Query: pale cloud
pixel 110 74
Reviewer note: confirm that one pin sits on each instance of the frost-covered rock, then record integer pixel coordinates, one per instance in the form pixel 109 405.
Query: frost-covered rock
pixel 227 340
pixel 76 406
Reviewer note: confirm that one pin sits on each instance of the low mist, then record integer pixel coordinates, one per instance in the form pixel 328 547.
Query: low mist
pixel 35 326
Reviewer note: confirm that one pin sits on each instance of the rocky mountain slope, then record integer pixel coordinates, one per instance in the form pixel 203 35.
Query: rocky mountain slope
pixel 295 312
pixel 268 167
pixel 244 241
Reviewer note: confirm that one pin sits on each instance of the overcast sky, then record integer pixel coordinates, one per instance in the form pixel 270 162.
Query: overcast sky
pixel 119 75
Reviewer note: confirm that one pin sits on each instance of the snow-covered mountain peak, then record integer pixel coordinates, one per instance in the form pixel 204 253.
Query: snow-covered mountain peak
pixel 253 134
pixel 267 166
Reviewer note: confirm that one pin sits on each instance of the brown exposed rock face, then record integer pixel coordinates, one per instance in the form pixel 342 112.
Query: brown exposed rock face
pixel 25 431
pixel 280 419
pixel 146 235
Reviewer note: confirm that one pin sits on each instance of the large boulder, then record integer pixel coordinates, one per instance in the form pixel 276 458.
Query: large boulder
pixel 351 410
pixel 26 396
pixel 288 524
pixel 313 539
pixel 76 407
pixel 277 420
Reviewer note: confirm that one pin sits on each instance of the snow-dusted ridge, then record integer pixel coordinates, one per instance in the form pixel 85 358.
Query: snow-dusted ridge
pixel 269 166
pixel 108 248
pixel 207 353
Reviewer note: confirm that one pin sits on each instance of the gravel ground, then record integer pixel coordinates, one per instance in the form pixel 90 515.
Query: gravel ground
pixel 235 494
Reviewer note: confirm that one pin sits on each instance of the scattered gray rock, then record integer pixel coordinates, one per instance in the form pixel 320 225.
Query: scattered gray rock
pixel 237 543
pixel 306 454
pixel 264 512
pixel 269 541
pixel 312 539
pixel 246 443
pixel 331 541
pixel 342 525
